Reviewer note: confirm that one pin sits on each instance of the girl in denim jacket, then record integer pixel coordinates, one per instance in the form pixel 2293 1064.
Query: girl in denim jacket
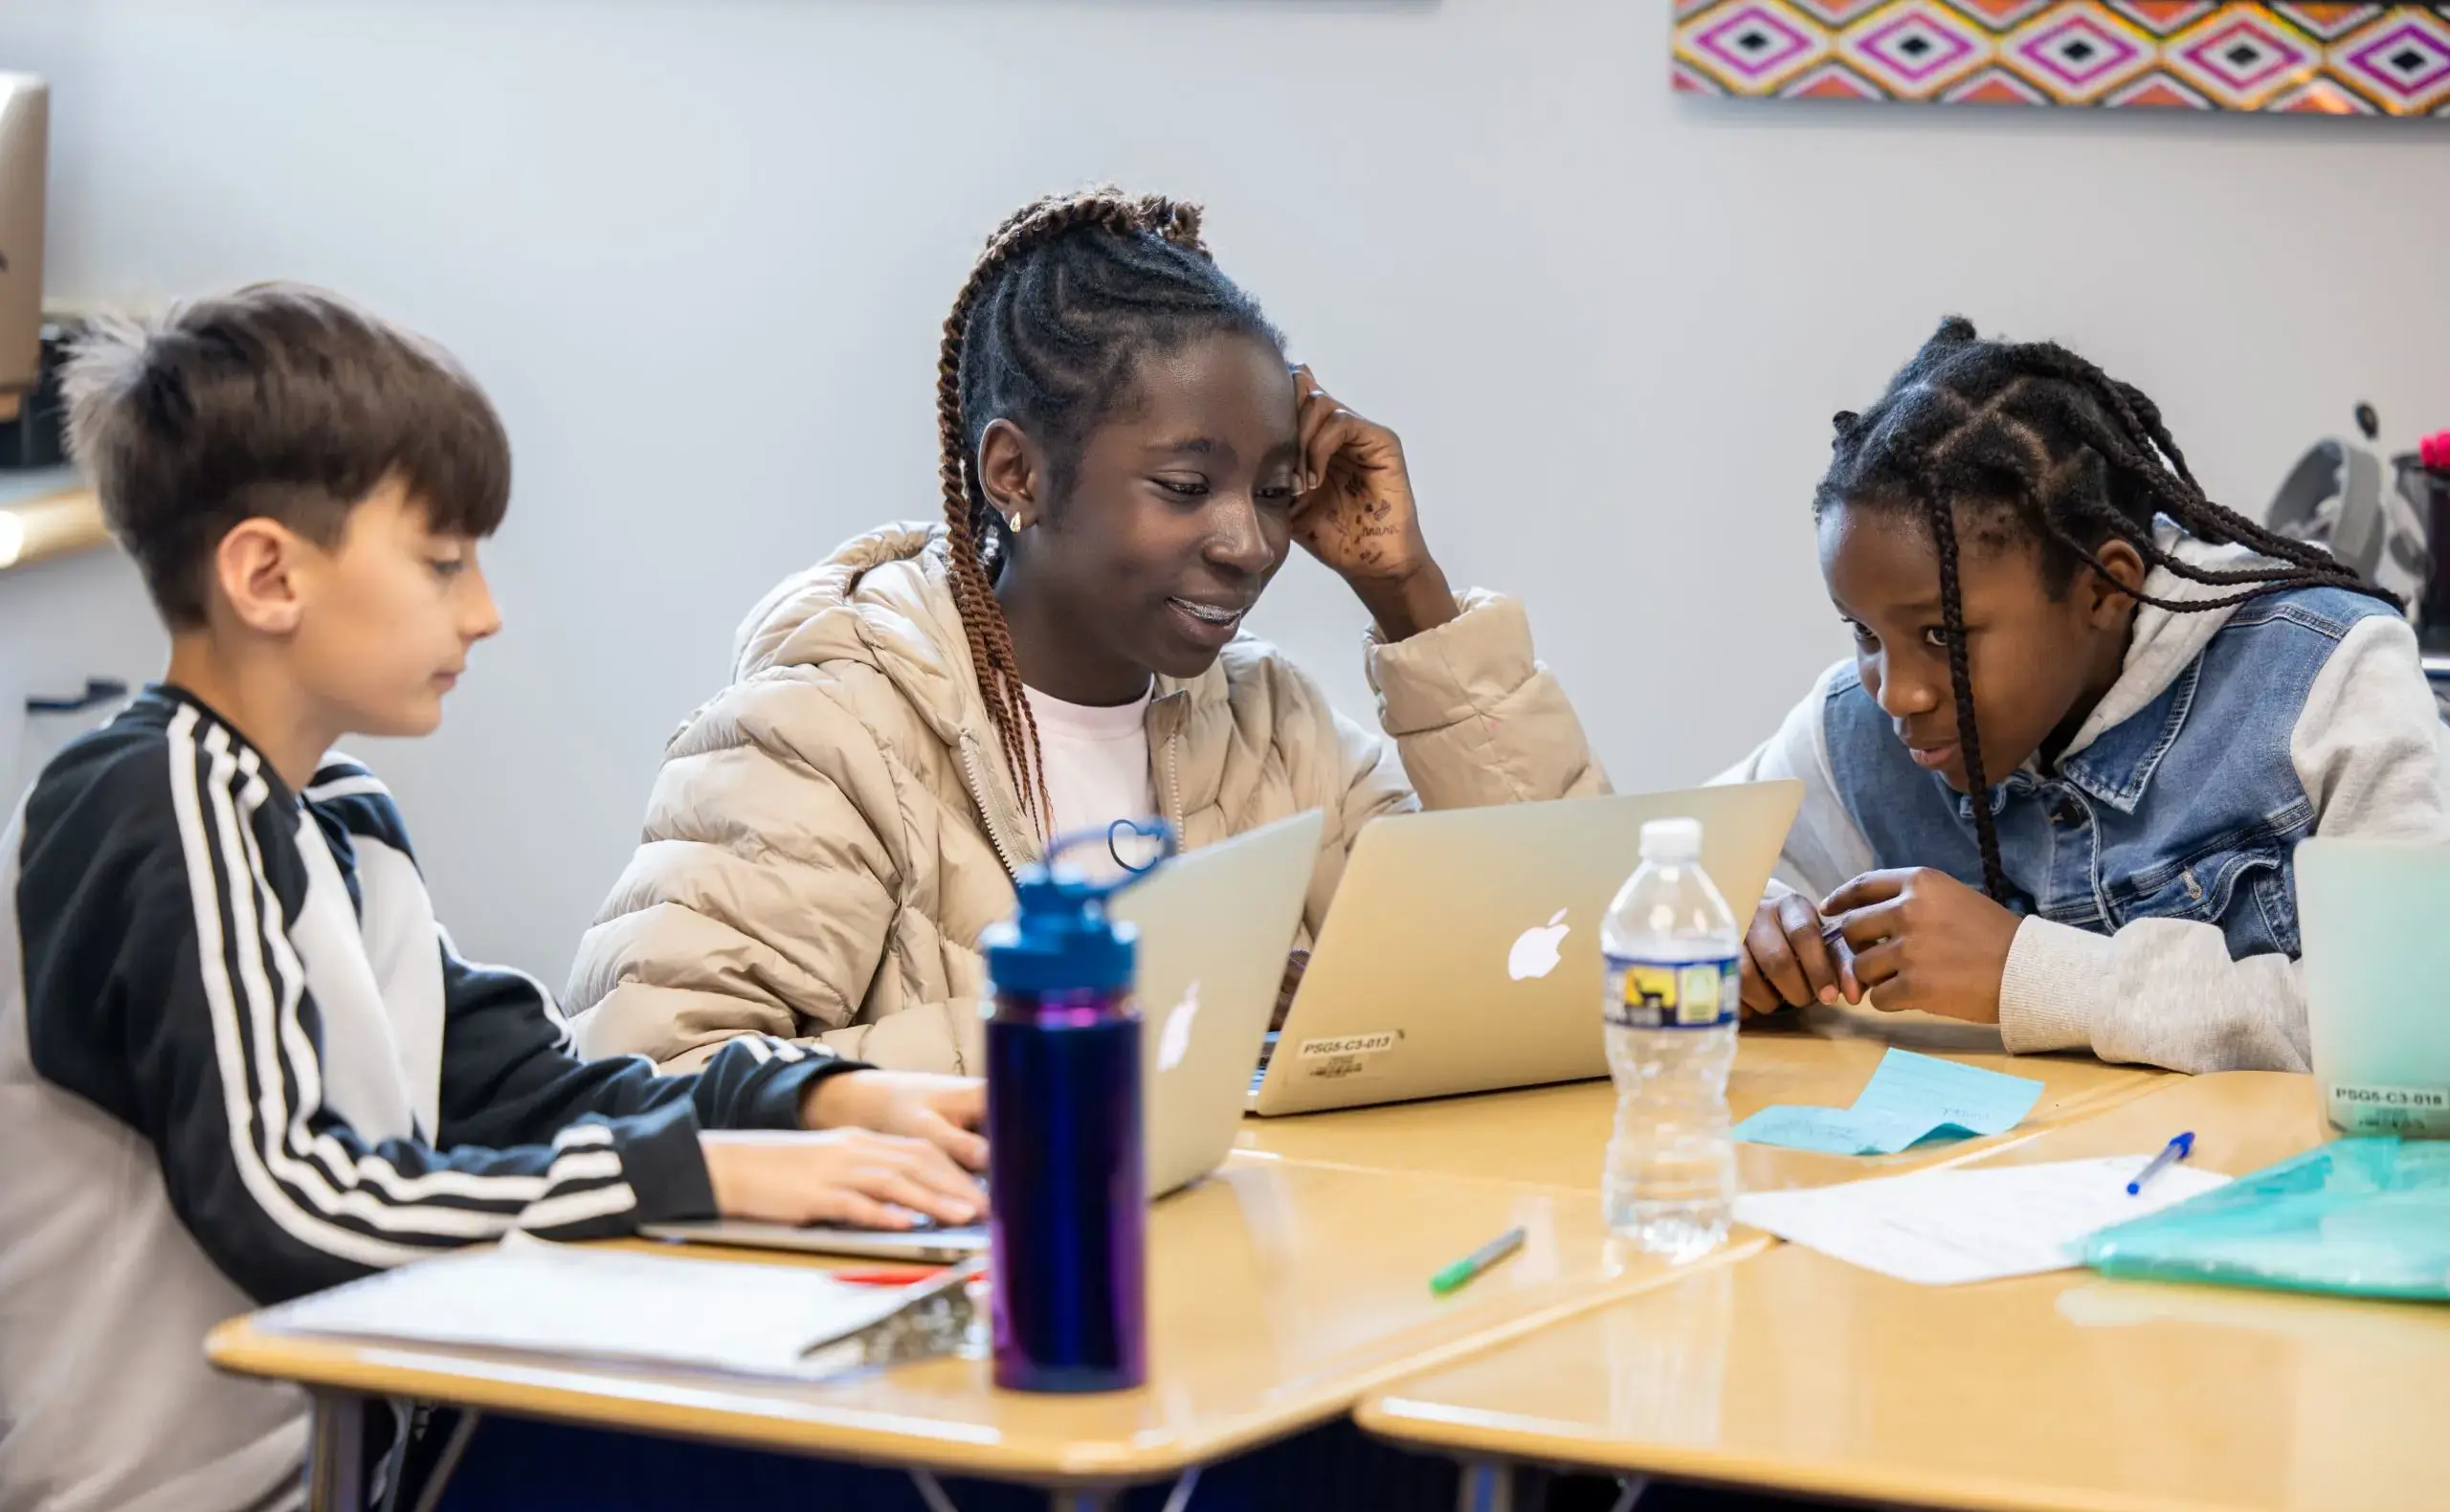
pixel 2089 716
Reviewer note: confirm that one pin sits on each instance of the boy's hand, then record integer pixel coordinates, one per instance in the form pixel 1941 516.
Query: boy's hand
pixel 1925 941
pixel 1354 513
pixel 946 1112
pixel 1789 960
pixel 848 1175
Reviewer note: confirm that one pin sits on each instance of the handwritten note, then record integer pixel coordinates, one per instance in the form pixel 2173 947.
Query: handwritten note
pixel 1909 1098
pixel 1943 1228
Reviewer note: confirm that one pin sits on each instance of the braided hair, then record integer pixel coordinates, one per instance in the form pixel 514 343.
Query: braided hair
pixel 2032 442
pixel 1048 332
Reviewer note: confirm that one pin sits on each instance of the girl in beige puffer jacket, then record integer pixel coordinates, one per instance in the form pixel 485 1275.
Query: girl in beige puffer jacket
pixel 1128 461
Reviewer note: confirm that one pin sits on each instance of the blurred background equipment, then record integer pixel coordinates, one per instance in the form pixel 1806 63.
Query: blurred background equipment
pixel 2373 514
pixel 29 399
pixel 2387 518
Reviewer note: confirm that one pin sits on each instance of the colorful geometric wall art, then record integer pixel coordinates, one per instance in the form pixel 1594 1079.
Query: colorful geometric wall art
pixel 2329 59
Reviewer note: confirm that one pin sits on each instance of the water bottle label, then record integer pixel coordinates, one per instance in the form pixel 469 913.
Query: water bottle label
pixel 1672 994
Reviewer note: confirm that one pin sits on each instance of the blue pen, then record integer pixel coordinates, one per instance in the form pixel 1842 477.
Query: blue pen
pixel 2177 1149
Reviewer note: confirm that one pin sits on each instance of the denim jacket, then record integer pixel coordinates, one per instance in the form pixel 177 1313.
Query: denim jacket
pixel 2189 808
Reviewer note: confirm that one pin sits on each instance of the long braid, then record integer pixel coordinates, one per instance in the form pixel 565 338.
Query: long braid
pixel 2120 449
pixel 1986 826
pixel 1147 290
pixel 2138 436
pixel 2071 458
pixel 982 618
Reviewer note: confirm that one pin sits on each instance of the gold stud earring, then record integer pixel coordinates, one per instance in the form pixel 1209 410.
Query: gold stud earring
pixel 1016 519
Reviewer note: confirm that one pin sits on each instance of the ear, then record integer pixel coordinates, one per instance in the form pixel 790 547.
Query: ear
pixel 256 571
pixel 2106 606
pixel 1012 472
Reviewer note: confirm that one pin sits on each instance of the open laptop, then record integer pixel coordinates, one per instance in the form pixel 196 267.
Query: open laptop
pixel 1462 951
pixel 1215 926
pixel 2375 958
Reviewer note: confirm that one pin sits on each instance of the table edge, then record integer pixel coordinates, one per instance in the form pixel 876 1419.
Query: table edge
pixel 236 1348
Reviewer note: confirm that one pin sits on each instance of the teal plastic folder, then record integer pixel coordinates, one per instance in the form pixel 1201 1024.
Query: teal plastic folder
pixel 2358 1217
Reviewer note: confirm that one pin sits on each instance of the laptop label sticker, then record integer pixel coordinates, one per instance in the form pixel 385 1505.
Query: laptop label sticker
pixel 1341 1056
pixel 2365 1109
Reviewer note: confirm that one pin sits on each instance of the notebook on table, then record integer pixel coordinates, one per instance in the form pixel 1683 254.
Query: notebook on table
pixel 526 1295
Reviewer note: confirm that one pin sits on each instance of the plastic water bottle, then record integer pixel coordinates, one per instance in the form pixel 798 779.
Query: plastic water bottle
pixel 1068 1211
pixel 1673 952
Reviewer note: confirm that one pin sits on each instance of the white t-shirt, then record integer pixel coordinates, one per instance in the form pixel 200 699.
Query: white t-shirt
pixel 1097 771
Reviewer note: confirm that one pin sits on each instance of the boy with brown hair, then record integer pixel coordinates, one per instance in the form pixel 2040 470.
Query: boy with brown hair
pixel 239 1059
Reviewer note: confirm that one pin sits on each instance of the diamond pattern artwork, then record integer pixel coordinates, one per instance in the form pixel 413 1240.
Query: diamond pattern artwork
pixel 2403 64
pixel 2241 56
pixel 1917 48
pixel 2161 17
pixel 2078 52
pixel 2329 22
pixel 1836 13
pixel 1753 47
pixel 2311 57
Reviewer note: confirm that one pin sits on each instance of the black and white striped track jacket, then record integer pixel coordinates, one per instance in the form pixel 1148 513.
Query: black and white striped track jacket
pixel 240 1061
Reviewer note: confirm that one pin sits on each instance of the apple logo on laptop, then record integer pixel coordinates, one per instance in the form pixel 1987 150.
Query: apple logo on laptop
pixel 1536 953
pixel 1173 1042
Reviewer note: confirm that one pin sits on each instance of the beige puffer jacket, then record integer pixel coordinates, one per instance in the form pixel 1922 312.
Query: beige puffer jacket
pixel 831 835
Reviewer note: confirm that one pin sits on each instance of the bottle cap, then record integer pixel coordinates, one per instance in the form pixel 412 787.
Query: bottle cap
pixel 1060 939
pixel 1672 840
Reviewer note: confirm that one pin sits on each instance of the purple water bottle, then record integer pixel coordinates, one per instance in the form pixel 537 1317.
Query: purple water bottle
pixel 1068 1217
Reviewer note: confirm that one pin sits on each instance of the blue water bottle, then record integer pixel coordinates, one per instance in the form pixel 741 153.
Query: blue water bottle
pixel 1068 1215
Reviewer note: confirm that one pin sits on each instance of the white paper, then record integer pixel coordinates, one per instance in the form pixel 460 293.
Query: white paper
pixel 1941 1227
pixel 537 1297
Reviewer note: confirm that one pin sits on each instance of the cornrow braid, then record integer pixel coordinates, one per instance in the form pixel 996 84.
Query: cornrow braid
pixel 1069 294
pixel 2030 438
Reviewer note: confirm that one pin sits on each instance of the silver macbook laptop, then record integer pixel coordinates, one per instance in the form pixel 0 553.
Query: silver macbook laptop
pixel 1214 927
pixel 1462 951
pixel 2376 961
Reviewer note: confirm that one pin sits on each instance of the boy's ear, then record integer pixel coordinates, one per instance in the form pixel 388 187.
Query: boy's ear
pixel 2122 568
pixel 1011 471
pixel 256 571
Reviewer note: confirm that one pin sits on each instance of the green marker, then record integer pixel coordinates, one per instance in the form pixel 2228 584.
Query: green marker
pixel 1454 1277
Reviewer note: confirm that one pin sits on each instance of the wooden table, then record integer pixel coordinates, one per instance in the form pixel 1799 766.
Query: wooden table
pixel 1279 1292
pixel 1555 1136
pixel 1793 1372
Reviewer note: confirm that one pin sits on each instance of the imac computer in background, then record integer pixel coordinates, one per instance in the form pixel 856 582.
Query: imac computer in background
pixel 25 132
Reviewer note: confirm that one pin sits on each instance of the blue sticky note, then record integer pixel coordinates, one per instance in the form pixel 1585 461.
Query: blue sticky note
pixel 1944 1094
pixel 1832 1131
pixel 1909 1098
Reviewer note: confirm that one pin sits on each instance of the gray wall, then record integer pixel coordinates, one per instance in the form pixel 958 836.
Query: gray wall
pixel 698 249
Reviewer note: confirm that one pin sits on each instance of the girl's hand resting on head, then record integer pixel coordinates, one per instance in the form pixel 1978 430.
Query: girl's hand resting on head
pixel 1925 941
pixel 1355 512
pixel 1790 961
pixel 847 1175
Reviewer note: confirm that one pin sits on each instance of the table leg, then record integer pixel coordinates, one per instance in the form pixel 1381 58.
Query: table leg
pixel 336 1455
pixel 1081 1498
pixel 1485 1487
